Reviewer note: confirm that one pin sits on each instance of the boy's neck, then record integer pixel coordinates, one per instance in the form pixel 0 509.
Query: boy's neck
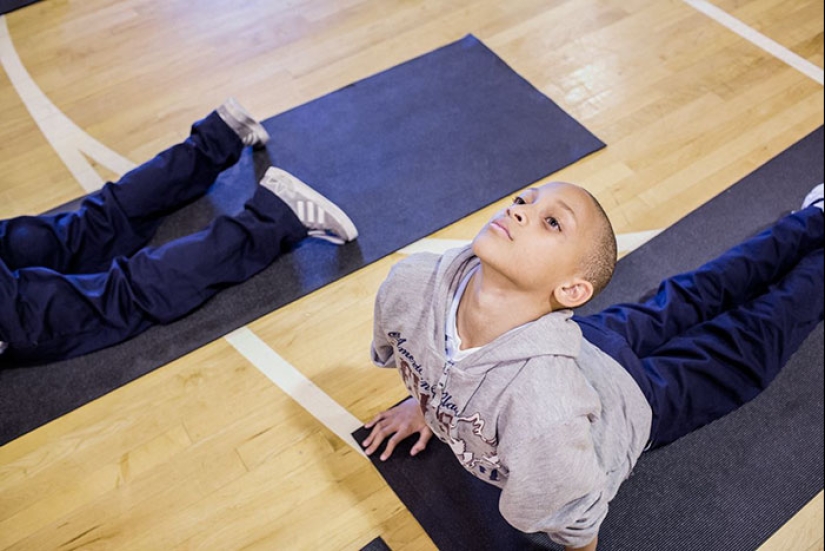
pixel 491 306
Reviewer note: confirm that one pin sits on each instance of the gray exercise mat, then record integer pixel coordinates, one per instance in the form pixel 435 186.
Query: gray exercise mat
pixel 728 486
pixel 404 152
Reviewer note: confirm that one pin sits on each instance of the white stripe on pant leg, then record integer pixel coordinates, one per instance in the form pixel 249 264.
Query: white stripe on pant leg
pixel 299 388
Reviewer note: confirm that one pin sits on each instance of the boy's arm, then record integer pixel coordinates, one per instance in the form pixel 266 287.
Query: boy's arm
pixel 381 350
pixel 555 484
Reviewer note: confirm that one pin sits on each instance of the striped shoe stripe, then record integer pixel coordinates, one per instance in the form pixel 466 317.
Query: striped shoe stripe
pixel 310 213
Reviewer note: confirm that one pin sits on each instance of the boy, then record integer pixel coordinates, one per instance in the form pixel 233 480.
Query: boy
pixel 76 282
pixel 555 409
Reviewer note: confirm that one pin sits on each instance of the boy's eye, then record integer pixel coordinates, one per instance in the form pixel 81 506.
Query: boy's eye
pixel 519 201
pixel 553 222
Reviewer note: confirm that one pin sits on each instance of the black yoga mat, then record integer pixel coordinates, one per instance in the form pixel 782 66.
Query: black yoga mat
pixel 7 6
pixel 377 544
pixel 727 486
pixel 404 153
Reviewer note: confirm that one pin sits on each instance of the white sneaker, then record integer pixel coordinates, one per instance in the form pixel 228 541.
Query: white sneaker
pixel 249 130
pixel 815 198
pixel 322 217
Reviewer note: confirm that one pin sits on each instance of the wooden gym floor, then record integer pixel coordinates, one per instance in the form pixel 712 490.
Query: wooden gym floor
pixel 207 452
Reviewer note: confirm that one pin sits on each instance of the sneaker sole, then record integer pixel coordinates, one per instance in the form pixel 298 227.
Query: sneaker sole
pixel 814 197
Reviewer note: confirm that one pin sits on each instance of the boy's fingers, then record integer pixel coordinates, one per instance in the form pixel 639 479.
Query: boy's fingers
pixel 389 423
pixel 390 447
pixel 379 433
pixel 373 446
pixel 373 441
pixel 423 440
pixel 375 420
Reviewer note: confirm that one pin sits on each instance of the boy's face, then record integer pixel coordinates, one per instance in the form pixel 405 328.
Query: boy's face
pixel 538 243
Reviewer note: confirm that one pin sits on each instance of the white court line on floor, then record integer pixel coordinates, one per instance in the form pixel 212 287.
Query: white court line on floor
pixel 68 140
pixel 629 242
pixel 772 47
pixel 296 385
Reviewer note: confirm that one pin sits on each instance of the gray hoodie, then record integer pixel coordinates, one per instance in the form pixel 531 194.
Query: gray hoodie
pixel 540 412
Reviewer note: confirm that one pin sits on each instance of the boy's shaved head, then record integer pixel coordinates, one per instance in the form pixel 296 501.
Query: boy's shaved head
pixel 600 262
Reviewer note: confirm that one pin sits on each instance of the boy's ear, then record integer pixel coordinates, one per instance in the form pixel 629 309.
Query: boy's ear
pixel 574 294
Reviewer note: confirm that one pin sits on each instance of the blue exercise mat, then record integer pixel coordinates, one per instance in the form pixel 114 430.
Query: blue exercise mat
pixel 405 153
pixel 728 486
pixel 7 6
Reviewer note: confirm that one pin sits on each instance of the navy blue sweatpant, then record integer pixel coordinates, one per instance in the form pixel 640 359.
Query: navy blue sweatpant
pixel 76 282
pixel 712 339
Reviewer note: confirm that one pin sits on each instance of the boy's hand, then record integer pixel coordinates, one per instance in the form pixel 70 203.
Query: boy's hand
pixel 589 547
pixel 401 421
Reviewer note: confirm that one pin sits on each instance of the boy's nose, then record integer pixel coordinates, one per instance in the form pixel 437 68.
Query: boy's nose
pixel 516 214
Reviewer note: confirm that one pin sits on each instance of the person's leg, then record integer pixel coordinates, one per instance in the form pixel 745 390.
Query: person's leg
pixel 122 217
pixel 722 364
pixel 692 298
pixel 45 315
